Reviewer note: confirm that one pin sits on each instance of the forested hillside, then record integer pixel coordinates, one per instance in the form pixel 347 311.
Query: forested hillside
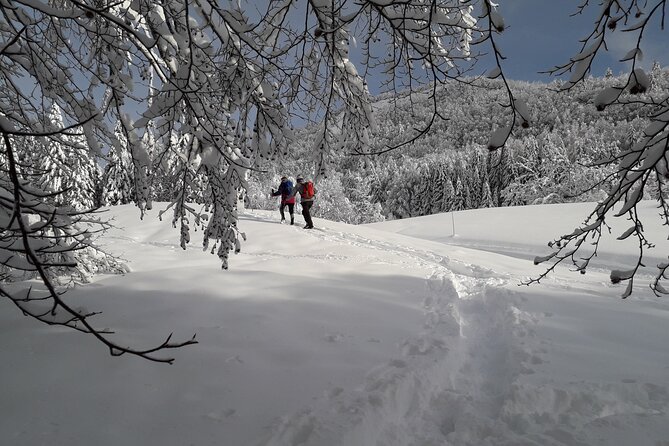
pixel 449 168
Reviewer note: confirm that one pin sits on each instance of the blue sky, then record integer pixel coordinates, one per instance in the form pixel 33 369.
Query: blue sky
pixel 541 34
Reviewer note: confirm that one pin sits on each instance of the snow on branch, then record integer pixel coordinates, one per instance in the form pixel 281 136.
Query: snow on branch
pixel 181 99
pixel 636 164
pixel 42 239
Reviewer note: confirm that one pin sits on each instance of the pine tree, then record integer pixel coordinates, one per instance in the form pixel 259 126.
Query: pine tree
pixel 64 166
pixel 486 197
pixel 438 181
pixel 474 184
pixel 447 202
pixel 458 202
pixel 424 192
pixel 118 184
pixel 486 193
pixel 402 193
pixel 466 192
pixel 501 170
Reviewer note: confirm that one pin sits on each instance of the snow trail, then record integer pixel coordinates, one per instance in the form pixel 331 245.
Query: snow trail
pixel 448 384
pixel 467 379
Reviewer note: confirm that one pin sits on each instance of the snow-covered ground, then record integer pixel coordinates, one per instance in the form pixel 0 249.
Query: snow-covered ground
pixel 397 333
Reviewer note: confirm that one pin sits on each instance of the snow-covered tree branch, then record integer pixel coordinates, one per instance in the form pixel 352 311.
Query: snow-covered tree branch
pixel 197 88
pixel 637 163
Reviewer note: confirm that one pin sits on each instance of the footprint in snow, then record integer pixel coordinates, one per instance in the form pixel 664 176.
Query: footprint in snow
pixel 334 337
pixel 221 416
pixel 334 392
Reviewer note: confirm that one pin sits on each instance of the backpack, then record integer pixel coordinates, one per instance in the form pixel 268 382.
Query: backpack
pixel 308 190
pixel 287 188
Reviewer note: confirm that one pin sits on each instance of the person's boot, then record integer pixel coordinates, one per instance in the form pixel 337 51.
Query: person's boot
pixel 292 220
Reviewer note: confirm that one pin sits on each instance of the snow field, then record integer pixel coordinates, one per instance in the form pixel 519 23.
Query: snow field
pixel 482 372
pixel 385 334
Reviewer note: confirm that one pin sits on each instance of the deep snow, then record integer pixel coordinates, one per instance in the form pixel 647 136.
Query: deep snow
pixel 397 333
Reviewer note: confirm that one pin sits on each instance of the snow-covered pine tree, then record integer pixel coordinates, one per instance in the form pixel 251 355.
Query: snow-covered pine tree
pixel 402 193
pixel 463 186
pixel 118 185
pixel 467 195
pixel 486 197
pixel 383 174
pixel 424 190
pixel 62 162
pixel 458 202
pixel 448 201
pixel 474 182
pixel 501 169
pixel 437 180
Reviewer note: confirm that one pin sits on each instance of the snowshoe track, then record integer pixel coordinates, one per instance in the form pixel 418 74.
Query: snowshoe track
pixel 448 384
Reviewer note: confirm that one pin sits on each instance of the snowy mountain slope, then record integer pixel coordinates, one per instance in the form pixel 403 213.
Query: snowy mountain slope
pixel 348 336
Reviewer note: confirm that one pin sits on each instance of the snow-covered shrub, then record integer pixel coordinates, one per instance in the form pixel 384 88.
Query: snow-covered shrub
pixel 258 192
pixel 331 201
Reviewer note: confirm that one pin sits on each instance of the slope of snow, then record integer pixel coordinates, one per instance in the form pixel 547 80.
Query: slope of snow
pixel 398 333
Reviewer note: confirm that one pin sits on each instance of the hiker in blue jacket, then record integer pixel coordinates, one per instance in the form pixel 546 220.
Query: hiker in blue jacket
pixel 285 190
pixel 307 191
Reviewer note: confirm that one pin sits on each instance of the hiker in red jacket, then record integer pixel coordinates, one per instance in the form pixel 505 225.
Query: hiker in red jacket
pixel 307 191
pixel 285 190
